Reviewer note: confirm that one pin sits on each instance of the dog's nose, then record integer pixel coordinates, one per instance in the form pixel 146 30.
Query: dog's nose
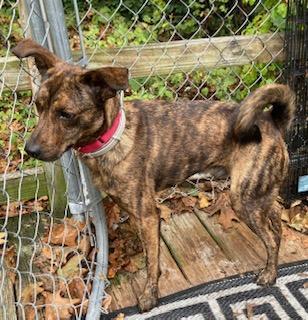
pixel 33 149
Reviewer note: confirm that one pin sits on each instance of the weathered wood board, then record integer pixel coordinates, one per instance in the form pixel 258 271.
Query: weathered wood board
pixel 7 295
pixel 196 253
pixel 238 243
pixel 170 281
pixel 196 246
pixel 24 185
pixel 164 58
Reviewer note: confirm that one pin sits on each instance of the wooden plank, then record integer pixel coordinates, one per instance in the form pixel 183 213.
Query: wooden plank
pixel 24 185
pixel 56 187
pixel 27 272
pixel 171 280
pixel 169 57
pixel 12 76
pixel 238 243
pixel 188 55
pixel 245 247
pixel 196 253
pixel 7 295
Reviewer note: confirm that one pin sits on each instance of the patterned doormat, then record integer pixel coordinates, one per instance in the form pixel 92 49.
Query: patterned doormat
pixel 236 297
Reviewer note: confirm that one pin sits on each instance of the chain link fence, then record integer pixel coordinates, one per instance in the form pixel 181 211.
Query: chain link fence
pixel 296 76
pixel 173 49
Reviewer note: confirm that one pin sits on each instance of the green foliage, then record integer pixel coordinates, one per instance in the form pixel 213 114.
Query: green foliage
pixel 114 25
pixel 17 121
pixel 9 27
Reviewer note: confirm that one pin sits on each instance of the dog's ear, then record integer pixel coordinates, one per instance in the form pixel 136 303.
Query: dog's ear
pixel 44 59
pixel 106 81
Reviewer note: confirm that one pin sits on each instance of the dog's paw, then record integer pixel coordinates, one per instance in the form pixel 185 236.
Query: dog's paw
pixel 266 277
pixel 148 298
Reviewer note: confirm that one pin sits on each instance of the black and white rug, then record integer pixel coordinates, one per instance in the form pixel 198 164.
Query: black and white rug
pixel 237 297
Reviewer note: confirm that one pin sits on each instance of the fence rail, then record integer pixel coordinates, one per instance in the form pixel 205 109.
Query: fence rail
pixel 169 57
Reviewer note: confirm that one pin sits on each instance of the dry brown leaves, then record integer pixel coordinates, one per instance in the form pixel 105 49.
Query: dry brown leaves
pixel 125 250
pixel 3 236
pixel 64 233
pixel 59 306
pixel 179 200
pixel 64 252
pixel 18 208
pixel 296 216
pixel 9 254
pixel 222 206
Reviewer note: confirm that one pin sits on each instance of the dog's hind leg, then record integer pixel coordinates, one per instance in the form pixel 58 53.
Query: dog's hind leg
pixel 263 219
pixel 271 235
pixel 148 224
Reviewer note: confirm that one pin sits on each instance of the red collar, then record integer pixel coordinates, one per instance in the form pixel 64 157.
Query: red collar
pixel 102 140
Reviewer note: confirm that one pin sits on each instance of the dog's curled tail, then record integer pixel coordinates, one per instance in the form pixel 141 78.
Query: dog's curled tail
pixel 282 99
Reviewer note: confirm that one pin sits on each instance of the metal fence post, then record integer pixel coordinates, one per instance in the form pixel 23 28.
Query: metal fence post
pixel 48 28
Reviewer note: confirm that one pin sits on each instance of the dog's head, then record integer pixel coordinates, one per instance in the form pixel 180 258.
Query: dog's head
pixel 74 105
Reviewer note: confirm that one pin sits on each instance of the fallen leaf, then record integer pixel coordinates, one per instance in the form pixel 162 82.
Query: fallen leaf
pixel 189 201
pixel 227 215
pixel 80 225
pixel 47 252
pixel 71 268
pixel 165 212
pixel 77 288
pixel 84 245
pixel 112 271
pixel 62 234
pixel 285 215
pixel 29 312
pixel 58 307
pixel 137 262
pixel 223 205
pixel 10 261
pixel 300 222
pixel 12 210
pixel 217 204
pixel 305 285
pixel 107 302
pixel 112 213
pixel 203 200
pixel 49 259
pixel 3 236
pixel 30 292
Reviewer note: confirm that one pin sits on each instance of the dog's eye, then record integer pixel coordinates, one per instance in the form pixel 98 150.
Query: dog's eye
pixel 65 115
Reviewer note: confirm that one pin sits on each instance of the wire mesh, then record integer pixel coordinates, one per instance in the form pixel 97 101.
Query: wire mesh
pixel 173 49
pixel 296 76
pixel 47 256
pixel 178 63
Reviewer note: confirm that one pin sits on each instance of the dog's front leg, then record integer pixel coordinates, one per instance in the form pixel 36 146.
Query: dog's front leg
pixel 148 226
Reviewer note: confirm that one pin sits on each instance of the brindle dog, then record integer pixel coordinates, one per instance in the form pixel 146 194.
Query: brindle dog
pixel 163 144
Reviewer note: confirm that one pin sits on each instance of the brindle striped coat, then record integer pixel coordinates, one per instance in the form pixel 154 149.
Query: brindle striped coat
pixel 165 143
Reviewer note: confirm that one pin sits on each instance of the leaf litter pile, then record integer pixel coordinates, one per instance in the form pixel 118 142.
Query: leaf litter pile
pixel 67 251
